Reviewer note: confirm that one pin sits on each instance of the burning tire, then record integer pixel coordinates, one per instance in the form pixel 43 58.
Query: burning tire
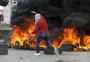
pixel 52 51
pixel 17 44
pixel 67 47
pixel 49 51
pixel 26 44
pixel 79 21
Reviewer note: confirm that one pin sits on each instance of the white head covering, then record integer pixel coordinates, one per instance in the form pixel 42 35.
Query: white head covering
pixel 37 17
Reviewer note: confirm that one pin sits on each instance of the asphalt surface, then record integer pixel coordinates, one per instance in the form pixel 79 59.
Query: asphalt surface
pixel 17 55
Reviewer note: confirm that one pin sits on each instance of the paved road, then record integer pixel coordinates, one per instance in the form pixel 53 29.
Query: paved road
pixel 16 55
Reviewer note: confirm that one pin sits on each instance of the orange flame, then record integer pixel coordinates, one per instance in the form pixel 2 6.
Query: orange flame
pixel 70 36
pixel 25 36
pixel 22 35
pixel 87 42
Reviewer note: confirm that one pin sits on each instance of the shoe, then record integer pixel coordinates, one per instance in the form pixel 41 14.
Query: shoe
pixel 37 54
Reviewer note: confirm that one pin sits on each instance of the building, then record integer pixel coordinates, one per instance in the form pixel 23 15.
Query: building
pixel 1 14
pixel 7 11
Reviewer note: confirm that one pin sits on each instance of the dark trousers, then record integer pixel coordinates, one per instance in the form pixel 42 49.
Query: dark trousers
pixel 44 37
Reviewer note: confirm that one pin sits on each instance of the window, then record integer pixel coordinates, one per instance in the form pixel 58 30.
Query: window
pixel 1 17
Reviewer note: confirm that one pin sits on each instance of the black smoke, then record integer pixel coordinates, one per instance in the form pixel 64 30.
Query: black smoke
pixel 80 21
pixel 55 11
pixel 23 9
pixel 45 7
